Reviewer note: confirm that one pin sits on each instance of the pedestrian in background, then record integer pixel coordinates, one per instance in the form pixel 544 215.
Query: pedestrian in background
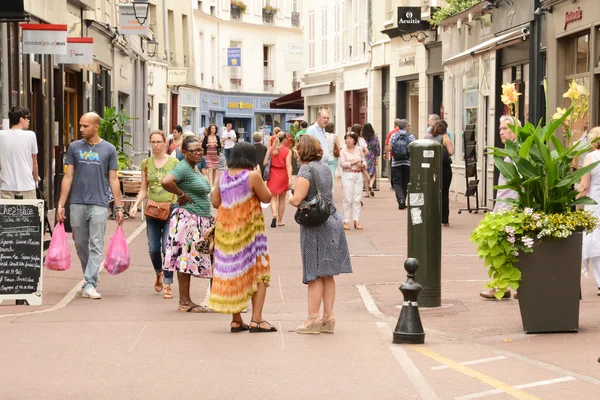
pixel 176 138
pixel 18 157
pixel 438 134
pixel 318 130
pixel 229 139
pixel 274 136
pixel 388 151
pixel 324 247
pixel 280 177
pixel 372 154
pixel 352 161
pixel 189 222
pixel 154 169
pixel 91 171
pixel 400 161
pixel 212 148
pixel 362 144
pixel 590 186
pixel 241 258
pixel 302 131
pixel 334 151
pixel 260 151
pixel 202 167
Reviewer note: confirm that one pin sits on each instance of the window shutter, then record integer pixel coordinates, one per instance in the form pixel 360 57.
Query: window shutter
pixel 287 5
pixel 355 29
pixel 311 39
pixel 258 7
pixel 344 32
pixel 226 5
pixel 337 39
pixel 324 27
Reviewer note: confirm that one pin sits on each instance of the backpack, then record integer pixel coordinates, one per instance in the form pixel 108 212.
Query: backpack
pixel 400 147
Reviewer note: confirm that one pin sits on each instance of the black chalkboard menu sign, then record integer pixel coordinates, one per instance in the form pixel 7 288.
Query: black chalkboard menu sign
pixel 21 250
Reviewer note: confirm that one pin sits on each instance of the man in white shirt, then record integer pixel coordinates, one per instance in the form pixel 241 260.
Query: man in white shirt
pixel 18 157
pixel 318 130
pixel 229 138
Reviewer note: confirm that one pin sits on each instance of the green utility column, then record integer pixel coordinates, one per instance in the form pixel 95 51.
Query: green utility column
pixel 425 218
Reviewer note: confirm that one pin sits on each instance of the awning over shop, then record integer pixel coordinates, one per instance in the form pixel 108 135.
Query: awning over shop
pixel 13 11
pixel 291 101
pixel 496 43
pixel 316 89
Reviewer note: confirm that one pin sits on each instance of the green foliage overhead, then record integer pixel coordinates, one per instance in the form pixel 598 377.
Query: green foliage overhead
pixel 112 129
pixel 452 8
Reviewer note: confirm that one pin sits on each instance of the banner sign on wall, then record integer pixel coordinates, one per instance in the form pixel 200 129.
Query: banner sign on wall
pixel 176 76
pixel 409 20
pixel 234 57
pixel 44 39
pixel 79 51
pixel 128 24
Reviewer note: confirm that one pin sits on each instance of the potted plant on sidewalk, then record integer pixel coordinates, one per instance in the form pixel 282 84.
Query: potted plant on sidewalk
pixel 112 129
pixel 536 246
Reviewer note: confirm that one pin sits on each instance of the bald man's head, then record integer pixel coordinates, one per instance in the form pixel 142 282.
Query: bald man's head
pixel 88 126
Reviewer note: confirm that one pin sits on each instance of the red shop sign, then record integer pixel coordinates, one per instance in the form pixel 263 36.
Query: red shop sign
pixel 572 16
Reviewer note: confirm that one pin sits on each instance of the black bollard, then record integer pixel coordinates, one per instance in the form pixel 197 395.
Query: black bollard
pixel 409 328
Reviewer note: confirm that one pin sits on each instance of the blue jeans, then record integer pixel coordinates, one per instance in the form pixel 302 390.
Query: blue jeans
pixel 228 153
pixel 158 232
pixel 89 226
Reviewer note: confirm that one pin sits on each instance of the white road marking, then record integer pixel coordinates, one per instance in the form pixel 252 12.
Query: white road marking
pixel 280 290
pixel 139 337
pixel 369 302
pixel 523 386
pixel 281 334
pixel 73 292
pixel 480 361
pixel 412 372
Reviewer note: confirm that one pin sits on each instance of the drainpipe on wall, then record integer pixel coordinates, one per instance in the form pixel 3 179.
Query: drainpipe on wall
pixel 4 69
pixel 166 55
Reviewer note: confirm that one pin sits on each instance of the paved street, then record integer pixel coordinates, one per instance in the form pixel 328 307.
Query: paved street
pixel 132 344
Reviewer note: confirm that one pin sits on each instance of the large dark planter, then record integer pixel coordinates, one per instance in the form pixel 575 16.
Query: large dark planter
pixel 295 166
pixel 551 286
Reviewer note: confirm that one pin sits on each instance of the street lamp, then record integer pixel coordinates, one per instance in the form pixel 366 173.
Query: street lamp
pixel 140 10
pixel 152 47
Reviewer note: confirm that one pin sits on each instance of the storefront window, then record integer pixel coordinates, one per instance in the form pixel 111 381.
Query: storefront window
pixel 188 118
pixel 577 67
pixel 471 95
pixel 583 52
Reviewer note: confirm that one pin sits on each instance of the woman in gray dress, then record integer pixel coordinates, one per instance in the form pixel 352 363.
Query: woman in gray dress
pixel 324 247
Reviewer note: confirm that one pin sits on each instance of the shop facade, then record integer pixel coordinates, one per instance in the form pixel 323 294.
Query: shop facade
pixel 573 53
pixel 247 113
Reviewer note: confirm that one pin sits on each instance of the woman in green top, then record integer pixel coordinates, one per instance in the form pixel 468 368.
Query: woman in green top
pixel 154 169
pixel 188 223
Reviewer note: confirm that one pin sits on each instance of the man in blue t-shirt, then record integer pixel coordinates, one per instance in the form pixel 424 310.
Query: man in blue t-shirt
pixel 91 171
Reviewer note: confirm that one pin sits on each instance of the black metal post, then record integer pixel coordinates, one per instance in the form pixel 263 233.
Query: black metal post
pixel 409 328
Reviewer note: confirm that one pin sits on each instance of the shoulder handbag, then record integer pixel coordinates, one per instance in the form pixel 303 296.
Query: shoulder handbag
pixel 206 244
pixel 157 210
pixel 316 211
pixel 267 170
pixel 336 148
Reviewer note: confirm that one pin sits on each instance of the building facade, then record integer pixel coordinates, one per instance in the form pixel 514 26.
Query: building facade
pixel 337 73
pixel 250 54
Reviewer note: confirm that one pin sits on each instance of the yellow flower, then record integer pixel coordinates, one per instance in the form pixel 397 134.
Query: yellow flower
pixel 509 94
pixel 559 113
pixel 295 123
pixel 575 91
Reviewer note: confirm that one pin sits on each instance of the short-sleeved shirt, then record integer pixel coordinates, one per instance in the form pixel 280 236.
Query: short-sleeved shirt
pixel 393 141
pixel 155 176
pixel 227 139
pixel 319 133
pixel 92 164
pixel 300 133
pixel 16 163
pixel 195 185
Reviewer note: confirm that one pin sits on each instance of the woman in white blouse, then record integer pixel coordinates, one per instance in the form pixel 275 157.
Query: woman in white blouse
pixel 352 161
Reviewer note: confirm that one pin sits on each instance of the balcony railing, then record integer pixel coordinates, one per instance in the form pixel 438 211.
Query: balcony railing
pixel 269 84
pixel 296 19
pixel 236 83
pixel 267 17
pixel 236 13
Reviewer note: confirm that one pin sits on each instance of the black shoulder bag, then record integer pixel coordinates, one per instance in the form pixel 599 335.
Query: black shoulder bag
pixel 316 211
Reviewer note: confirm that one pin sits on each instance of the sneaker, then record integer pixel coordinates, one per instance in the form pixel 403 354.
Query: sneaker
pixel 91 293
pixel 402 206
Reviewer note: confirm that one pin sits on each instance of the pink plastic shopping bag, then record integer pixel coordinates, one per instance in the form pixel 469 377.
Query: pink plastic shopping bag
pixel 58 257
pixel 117 258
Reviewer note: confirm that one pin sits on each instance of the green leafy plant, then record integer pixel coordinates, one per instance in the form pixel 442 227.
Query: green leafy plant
pixel 537 166
pixel 294 129
pixel 239 4
pixel 501 236
pixel 112 129
pixel 268 9
pixel 452 8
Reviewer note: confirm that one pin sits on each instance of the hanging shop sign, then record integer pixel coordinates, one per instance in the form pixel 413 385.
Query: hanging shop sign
pixel 234 57
pixel 409 20
pixel 79 51
pixel 128 24
pixel 241 105
pixel 44 39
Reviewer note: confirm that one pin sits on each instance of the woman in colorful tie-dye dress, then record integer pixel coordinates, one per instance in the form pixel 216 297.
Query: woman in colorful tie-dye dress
pixel 241 259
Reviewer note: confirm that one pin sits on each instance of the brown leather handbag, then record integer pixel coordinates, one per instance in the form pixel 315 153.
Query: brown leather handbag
pixel 156 210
